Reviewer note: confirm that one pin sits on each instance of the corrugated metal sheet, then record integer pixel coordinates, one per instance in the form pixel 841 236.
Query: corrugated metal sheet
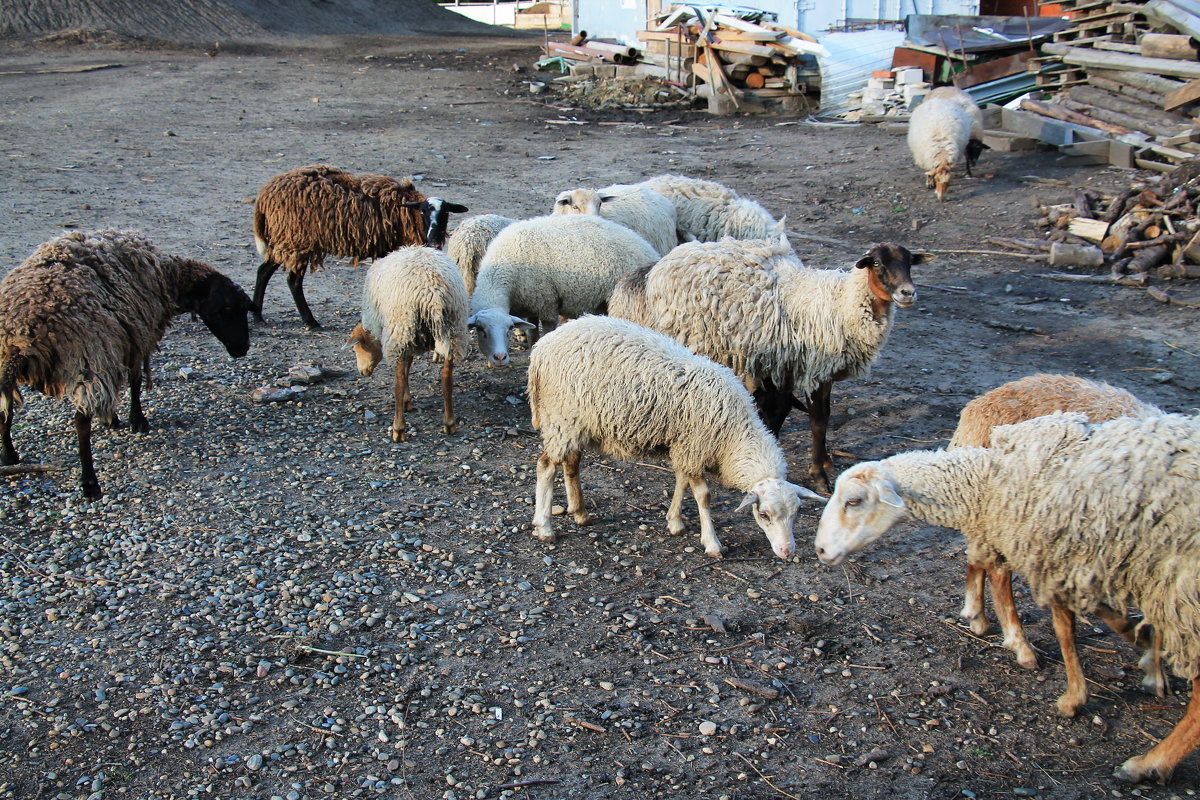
pixel 852 59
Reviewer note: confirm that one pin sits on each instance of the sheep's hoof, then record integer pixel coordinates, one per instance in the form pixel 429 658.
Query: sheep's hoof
pixel 675 527
pixel 139 426
pixel 1069 706
pixel 1028 661
pixel 8 459
pixel 398 434
pixel 819 478
pixel 581 517
pixel 91 491
pixel 979 624
pixel 543 533
pixel 451 427
pixel 715 552
pixel 1136 770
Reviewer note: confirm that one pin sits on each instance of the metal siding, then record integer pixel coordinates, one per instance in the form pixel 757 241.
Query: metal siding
pixel 852 57
pixel 611 19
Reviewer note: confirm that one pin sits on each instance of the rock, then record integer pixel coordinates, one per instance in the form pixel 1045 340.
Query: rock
pixel 306 374
pixel 274 394
pixel 874 756
pixel 708 728
pixel 254 762
pixel 715 622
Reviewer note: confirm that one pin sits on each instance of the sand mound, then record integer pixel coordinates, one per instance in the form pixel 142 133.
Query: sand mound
pixel 195 21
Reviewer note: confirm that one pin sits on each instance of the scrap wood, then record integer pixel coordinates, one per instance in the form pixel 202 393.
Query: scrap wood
pixel 1170 299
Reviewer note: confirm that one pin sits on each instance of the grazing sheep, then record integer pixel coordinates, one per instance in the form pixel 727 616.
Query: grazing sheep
pixel 642 210
pixel 783 328
pixel 975 145
pixel 1017 401
pixel 1096 517
pixel 414 301
pixel 308 213
pixel 707 211
pixel 470 241
pixel 631 393
pixel 547 267
pixel 938 133
pixel 81 316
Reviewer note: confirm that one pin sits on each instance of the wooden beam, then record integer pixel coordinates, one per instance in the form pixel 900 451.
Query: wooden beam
pixel 1127 105
pixel 1104 59
pixel 1147 83
pixel 1188 93
pixel 1075 117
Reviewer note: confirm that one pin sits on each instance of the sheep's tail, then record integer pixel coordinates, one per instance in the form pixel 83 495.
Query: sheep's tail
pixel 12 368
pixel 260 231
pixel 535 397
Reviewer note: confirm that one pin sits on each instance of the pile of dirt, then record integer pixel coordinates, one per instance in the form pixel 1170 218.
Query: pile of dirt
pixel 195 21
pixel 626 93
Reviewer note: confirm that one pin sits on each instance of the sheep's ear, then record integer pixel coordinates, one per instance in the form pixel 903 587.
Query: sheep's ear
pixel 473 321
pixel 868 261
pixel 604 198
pixel 455 208
pixel 922 258
pixel 517 322
pixel 806 493
pixel 412 203
pixel 750 499
pixel 888 496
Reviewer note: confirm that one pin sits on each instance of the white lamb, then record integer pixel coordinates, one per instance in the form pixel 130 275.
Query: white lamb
pixel 707 211
pixel 470 241
pixel 414 301
pixel 547 267
pixel 628 392
pixel 1096 517
pixel 642 210
pixel 783 328
pixel 975 145
pixel 938 133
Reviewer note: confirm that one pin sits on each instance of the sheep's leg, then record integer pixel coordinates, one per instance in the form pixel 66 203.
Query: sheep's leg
pixel 265 271
pixel 296 284
pixel 1006 613
pixel 449 423
pixel 818 423
pixel 1155 680
pixel 8 452
pixel 137 417
pixel 708 533
pixel 1076 694
pixel 1160 761
pixel 675 512
pixel 87 478
pixel 544 498
pixel 398 431
pixel 972 610
pixel 574 489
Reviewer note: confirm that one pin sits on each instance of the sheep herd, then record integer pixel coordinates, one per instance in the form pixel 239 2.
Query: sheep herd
pixel 694 329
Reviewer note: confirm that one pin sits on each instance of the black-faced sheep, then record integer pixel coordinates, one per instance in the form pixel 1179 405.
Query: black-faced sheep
pixel 783 328
pixel 414 301
pixel 81 316
pixel 629 392
pixel 303 215
pixel 1094 516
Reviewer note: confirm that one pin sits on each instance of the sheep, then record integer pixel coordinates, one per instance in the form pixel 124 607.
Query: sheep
pixel 414 300
pixel 752 306
pixel 470 240
pixel 707 211
pixel 631 393
pixel 1097 517
pixel 642 210
pixel 975 145
pixel 305 214
pixel 938 133
pixel 1016 401
pixel 81 316
pixel 547 267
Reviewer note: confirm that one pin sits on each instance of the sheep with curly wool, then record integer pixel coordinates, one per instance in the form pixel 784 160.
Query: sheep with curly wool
pixel 544 268
pixel 782 327
pixel 707 211
pixel 469 241
pixel 938 133
pixel 1017 401
pixel 414 301
pixel 642 210
pixel 1095 516
pixel 975 145
pixel 625 391
pixel 81 316
pixel 303 215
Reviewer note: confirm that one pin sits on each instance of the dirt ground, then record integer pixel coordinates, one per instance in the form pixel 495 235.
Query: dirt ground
pixel 274 600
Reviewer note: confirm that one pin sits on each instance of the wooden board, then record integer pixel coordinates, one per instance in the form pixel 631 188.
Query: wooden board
pixel 1188 93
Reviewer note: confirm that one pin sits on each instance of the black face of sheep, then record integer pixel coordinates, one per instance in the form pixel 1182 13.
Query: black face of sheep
pixel 435 218
pixel 223 307
pixel 891 278
pixel 975 148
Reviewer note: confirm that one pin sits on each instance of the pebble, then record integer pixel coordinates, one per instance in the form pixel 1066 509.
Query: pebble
pixel 254 762
pixel 708 728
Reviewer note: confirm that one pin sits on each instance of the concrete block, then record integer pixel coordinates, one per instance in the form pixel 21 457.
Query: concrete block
pixel 909 75
pixel 880 83
pixel 914 93
pixel 1008 142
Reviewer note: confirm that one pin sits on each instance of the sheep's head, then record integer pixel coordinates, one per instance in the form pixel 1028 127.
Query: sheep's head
pixel 577 201
pixel 435 218
pixel 774 503
pixel 368 352
pixel 222 306
pixel 891 272
pixel 491 327
pixel 939 179
pixel 864 506
pixel 975 148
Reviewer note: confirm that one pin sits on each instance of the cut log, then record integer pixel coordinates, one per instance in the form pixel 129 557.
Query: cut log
pixel 1104 59
pixel 1167 45
pixel 1149 83
pixel 1129 122
pixel 1067 115
pixel 754 80
pixel 1150 98
pixel 1127 106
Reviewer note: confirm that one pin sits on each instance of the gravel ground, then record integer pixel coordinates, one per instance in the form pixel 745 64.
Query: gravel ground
pixel 276 601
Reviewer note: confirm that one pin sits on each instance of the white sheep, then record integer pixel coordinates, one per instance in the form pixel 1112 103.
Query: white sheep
pixel 707 211
pixel 783 328
pixel 1096 517
pixel 414 301
pixel 1017 401
pixel 628 392
pixel 975 145
pixel 542 268
pixel 938 133
pixel 470 241
pixel 81 316
pixel 640 209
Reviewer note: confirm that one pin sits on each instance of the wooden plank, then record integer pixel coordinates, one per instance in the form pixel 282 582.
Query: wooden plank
pixel 1093 230
pixel 1148 83
pixel 1075 117
pixel 748 48
pixel 1188 93
pixel 1104 59
pixel 748 36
